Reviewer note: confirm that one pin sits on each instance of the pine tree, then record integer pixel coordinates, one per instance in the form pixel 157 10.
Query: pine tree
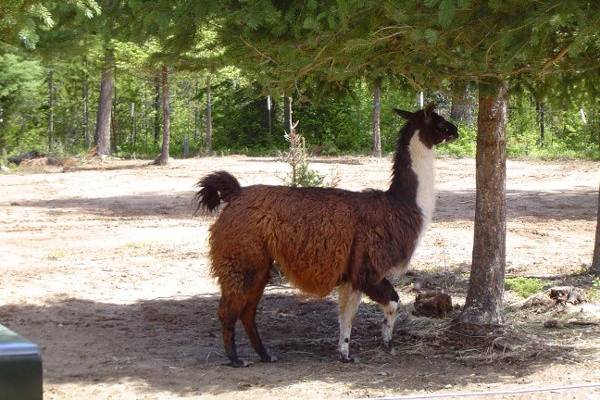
pixel 429 43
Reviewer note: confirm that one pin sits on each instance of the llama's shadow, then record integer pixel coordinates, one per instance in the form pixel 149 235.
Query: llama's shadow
pixel 175 346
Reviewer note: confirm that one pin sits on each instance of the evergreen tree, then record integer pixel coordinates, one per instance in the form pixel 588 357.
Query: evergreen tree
pixel 430 42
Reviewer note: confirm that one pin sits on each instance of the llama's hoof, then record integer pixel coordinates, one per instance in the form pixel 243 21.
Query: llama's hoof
pixel 348 359
pixel 239 363
pixel 269 359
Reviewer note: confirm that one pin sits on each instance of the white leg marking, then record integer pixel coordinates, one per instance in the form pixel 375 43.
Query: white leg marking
pixel 349 300
pixel 390 311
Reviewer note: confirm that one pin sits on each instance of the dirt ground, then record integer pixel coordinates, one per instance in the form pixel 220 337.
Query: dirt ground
pixel 106 269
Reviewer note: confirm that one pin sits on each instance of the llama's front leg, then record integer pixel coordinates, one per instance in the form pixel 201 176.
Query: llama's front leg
pixel 349 300
pixel 384 294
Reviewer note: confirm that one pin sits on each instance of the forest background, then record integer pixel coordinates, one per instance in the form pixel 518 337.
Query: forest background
pixel 54 55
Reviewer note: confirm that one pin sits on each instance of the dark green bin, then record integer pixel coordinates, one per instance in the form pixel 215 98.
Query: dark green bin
pixel 20 367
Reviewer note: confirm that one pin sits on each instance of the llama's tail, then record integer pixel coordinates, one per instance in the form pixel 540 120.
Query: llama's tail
pixel 216 188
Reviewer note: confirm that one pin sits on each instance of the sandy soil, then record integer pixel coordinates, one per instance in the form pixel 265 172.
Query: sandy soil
pixel 106 269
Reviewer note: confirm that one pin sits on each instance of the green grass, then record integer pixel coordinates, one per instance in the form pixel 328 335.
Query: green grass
pixel 57 254
pixel 593 294
pixel 524 287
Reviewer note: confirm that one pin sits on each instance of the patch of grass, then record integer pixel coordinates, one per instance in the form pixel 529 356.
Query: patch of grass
pixel 143 245
pixel 524 287
pixel 593 294
pixel 57 254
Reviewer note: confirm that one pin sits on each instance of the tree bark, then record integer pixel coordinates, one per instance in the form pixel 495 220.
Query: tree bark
pixel 164 154
pixel 595 268
pixel 461 108
pixel 209 127
pixel 50 108
pixel 269 119
pixel 103 116
pixel 196 114
pixel 133 124
pixel 540 114
pixel 287 114
pixel 377 118
pixel 486 285
pixel 156 107
pixel 86 105
pixel 114 123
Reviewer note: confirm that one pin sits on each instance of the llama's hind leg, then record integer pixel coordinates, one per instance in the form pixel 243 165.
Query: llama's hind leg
pixel 257 283
pixel 384 294
pixel 349 300
pixel 229 311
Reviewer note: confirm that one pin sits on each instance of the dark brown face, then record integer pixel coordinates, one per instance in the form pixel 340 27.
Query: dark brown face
pixel 433 128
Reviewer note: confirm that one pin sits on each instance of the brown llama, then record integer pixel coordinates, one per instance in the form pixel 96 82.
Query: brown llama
pixel 322 238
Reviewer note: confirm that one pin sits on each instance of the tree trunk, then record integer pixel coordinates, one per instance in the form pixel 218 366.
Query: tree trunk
pixel 595 268
pixel 540 114
pixel 196 114
pixel 103 117
pixel 377 118
pixel 287 114
pixel 133 124
pixel 486 285
pixel 50 108
pixel 269 119
pixel 156 107
pixel 164 154
pixel 461 108
pixel 86 105
pixel 209 127
pixel 114 123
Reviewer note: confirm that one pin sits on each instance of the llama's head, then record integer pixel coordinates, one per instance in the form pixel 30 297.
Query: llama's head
pixel 433 128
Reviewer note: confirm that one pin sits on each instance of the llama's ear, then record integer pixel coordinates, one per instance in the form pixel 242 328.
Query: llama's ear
pixel 429 109
pixel 404 114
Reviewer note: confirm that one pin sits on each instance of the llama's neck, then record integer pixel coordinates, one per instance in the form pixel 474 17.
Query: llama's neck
pixel 423 160
pixel 414 176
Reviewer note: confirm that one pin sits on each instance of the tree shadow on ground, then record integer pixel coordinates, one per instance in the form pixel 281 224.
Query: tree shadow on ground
pixel 174 345
pixel 172 205
pixel 451 205
pixel 563 205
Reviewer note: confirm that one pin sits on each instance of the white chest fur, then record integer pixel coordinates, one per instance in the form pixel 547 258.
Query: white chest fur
pixel 423 159
pixel 422 164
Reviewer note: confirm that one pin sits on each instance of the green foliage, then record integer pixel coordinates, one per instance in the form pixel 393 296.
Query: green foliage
pixel 305 177
pixel 301 175
pixel 326 55
pixel 21 82
pixel 524 287
pixel 464 146
pixel 593 294
pixel 23 21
